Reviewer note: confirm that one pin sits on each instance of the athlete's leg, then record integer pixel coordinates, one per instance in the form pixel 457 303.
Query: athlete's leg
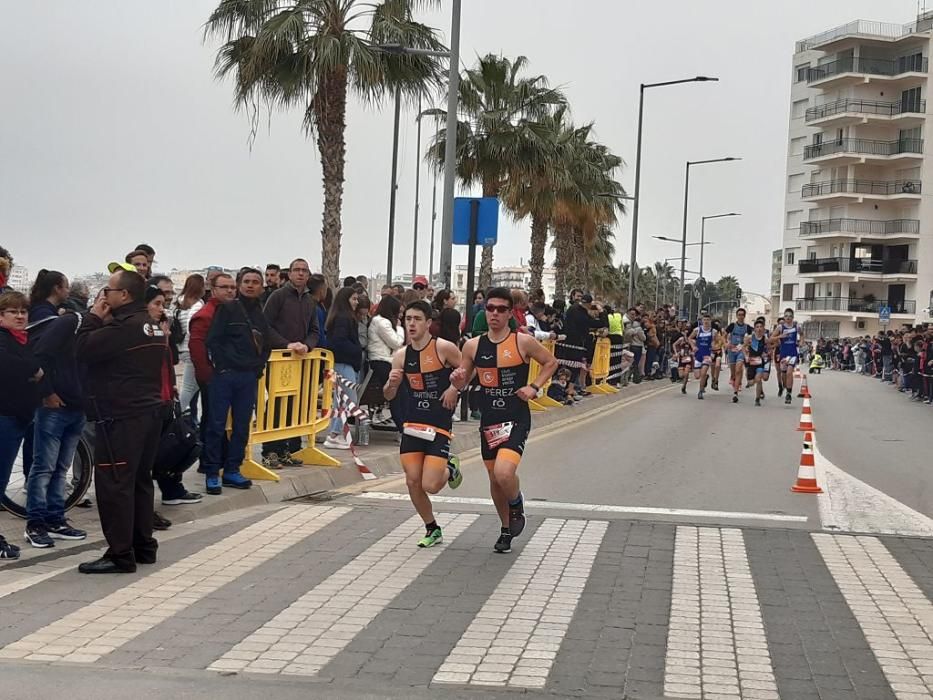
pixel 413 464
pixel 503 482
pixel 434 475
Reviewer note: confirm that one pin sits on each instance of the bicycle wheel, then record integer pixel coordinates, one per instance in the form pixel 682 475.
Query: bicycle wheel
pixel 78 481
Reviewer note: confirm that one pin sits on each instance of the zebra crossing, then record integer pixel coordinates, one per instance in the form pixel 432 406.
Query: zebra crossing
pixel 582 606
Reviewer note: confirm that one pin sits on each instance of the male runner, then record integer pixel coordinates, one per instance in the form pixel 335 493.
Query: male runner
pixel 701 340
pixel 425 365
pixel 758 355
pixel 790 338
pixel 735 347
pixel 500 359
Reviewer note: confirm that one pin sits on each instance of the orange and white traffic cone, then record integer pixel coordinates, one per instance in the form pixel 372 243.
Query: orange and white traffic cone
pixel 804 389
pixel 806 418
pixel 806 473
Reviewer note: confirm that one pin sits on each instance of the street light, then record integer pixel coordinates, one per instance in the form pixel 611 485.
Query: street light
pixel 641 109
pixel 703 239
pixel 399 50
pixel 683 248
pixel 677 240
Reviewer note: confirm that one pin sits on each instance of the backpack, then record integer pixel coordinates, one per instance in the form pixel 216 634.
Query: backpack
pixel 179 446
pixel 177 328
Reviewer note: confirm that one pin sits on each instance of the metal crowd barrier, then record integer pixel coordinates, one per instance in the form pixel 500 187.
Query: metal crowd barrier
pixel 294 400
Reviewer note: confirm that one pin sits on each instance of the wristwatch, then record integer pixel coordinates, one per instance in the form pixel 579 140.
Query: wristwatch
pixel 535 387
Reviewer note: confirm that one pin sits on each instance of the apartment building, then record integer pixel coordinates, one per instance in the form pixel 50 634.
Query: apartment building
pixel 858 229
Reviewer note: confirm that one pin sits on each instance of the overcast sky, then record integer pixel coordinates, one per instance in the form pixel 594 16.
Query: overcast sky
pixel 113 131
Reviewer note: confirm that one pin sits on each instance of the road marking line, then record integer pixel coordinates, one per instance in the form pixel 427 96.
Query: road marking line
pixel 894 614
pixel 598 508
pixel 849 504
pixel 95 630
pixel 310 632
pixel 515 637
pixel 716 643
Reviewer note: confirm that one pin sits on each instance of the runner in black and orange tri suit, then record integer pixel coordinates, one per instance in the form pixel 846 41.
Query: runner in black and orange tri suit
pixel 500 358
pixel 425 365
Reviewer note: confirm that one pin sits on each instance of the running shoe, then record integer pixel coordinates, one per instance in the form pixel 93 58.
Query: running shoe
pixel 286 459
pixel 7 550
pixel 271 461
pixel 38 536
pixel 432 538
pixel 160 523
pixel 64 531
pixel 184 499
pixel 700 394
pixel 683 389
pixel 735 398
pixel 757 401
pixel 213 486
pixel 504 544
pixel 456 476
pixel 780 391
pixel 336 442
pixel 236 480
pixel 788 398
pixel 715 385
pixel 517 516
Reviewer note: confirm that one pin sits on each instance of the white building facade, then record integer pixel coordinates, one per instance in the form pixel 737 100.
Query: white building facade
pixel 858 224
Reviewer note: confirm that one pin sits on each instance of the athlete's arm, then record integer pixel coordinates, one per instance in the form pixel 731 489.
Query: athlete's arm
pixel 396 374
pixel 451 357
pixel 463 375
pixel 532 349
pixel 692 339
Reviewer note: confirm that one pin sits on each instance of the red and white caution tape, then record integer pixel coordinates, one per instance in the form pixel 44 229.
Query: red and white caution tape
pixel 345 408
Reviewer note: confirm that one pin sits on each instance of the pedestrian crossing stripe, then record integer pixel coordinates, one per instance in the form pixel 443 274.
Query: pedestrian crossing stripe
pixel 515 633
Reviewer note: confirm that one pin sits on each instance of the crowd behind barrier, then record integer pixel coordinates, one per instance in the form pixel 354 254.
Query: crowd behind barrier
pixel 138 370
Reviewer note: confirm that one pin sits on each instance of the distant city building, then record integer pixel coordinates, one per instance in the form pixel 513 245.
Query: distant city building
pixel 854 243
pixel 514 277
pixel 20 279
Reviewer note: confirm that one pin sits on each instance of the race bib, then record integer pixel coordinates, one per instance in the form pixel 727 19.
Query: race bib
pixel 497 434
pixel 754 360
pixel 422 432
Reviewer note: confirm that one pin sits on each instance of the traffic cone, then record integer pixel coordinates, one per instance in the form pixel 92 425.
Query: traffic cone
pixel 806 418
pixel 806 472
pixel 804 389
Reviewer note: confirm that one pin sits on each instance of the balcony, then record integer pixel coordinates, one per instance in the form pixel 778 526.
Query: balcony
pixel 857 266
pixel 847 151
pixel 867 30
pixel 856 306
pixel 849 110
pixel 860 189
pixel 853 69
pixel 856 228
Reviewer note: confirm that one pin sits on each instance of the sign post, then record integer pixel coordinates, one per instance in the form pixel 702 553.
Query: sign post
pixel 884 316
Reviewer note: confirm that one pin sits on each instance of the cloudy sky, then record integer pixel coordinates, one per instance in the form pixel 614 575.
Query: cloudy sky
pixel 114 131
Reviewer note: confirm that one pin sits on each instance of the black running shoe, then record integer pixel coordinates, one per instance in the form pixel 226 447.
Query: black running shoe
pixel 160 523
pixel 64 531
pixel 735 398
pixel 38 536
pixel 517 516
pixel 788 398
pixel 715 386
pixel 757 401
pixel 503 544
pixel 780 391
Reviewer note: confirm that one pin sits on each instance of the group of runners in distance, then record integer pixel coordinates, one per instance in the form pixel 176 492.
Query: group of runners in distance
pixel 750 351
pixel 436 372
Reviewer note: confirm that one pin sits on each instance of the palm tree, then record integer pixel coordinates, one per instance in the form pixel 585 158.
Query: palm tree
pixel 499 138
pixel 310 54
pixel 663 273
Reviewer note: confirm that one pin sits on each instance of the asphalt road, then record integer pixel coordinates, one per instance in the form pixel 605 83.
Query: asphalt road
pixel 669 451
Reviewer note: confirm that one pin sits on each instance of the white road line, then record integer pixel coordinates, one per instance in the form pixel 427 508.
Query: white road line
pixel 16 580
pixel 515 637
pixel 716 644
pixel 97 629
pixel 894 614
pixel 310 632
pixel 598 508
pixel 851 505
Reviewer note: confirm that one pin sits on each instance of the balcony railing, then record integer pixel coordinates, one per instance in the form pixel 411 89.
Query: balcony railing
pixel 866 226
pixel 875 187
pixel 868 66
pixel 906 306
pixel 863 147
pixel 861 28
pixel 857 265
pixel 851 105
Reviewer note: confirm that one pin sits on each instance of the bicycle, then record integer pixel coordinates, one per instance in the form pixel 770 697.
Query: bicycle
pixel 78 481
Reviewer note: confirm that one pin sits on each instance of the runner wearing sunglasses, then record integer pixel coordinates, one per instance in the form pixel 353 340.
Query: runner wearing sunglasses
pixel 500 358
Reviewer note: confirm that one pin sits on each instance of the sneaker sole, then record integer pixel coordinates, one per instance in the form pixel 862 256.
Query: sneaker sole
pixel 501 551
pixel 39 545
pixel 241 487
pixel 179 502
pixel 422 545
pixel 72 538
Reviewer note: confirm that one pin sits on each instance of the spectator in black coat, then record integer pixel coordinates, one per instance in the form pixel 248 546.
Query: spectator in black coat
pixel 343 339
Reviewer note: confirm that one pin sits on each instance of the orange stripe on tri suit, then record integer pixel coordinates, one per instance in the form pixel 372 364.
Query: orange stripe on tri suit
pixel 507 353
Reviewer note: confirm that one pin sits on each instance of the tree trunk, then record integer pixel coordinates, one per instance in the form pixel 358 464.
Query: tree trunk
pixel 562 244
pixel 575 263
pixel 538 244
pixel 329 109
pixel 490 189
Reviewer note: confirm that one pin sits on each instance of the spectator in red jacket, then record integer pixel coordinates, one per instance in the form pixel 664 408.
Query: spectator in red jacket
pixel 223 290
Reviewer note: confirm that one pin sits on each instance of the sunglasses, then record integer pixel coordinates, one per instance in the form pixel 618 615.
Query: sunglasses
pixel 498 309
pixel 419 287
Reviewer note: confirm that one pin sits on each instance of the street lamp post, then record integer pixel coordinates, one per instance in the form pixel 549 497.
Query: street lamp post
pixel 414 253
pixel 703 241
pixel 450 148
pixel 641 110
pixel 437 128
pixel 683 248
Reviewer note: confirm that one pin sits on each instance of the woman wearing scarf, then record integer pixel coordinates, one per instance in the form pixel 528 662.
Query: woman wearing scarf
pixel 19 376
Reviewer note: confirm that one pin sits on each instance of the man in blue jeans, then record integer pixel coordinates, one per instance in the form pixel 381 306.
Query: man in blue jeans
pixel 59 423
pixel 239 344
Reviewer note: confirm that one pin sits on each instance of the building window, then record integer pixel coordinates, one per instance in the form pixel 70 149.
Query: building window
pixel 799 109
pixel 801 72
pixel 788 292
pixel 790 257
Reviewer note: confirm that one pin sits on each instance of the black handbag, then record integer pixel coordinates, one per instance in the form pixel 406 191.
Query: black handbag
pixel 179 446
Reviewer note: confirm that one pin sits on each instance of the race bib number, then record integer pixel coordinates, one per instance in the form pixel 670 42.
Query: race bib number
pixel 707 359
pixel 754 360
pixel 497 434
pixel 422 432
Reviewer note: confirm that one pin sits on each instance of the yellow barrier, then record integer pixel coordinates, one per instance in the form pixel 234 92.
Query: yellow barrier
pixel 293 400
pixel 600 370
pixel 543 401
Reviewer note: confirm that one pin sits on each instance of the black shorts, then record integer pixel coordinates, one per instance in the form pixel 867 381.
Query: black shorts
pixel 438 447
pixel 515 443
